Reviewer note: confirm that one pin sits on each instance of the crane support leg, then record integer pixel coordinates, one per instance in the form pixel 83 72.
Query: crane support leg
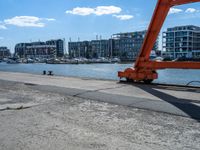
pixel 144 69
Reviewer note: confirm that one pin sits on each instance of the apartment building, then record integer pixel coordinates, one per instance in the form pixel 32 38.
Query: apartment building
pixel 125 46
pixel 45 50
pixel 100 48
pixel 89 49
pixel 182 41
pixel 79 49
pixel 4 52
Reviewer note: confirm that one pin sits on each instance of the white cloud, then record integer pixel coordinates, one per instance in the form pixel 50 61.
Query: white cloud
pixel 175 11
pixel 100 10
pixel 191 10
pixel 49 19
pixel 83 11
pixel 124 17
pixel 27 21
pixel 1 38
pixel 106 10
pixel 3 27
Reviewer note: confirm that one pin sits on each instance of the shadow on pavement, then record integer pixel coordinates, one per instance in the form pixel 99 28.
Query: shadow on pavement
pixel 187 106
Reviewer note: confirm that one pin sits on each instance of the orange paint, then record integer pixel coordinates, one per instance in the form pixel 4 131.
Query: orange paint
pixel 145 69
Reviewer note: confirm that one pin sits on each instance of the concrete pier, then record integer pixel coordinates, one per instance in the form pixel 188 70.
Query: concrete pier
pixel 54 112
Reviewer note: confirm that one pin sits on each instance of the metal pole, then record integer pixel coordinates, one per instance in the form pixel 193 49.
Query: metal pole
pixel 111 47
pixel 174 45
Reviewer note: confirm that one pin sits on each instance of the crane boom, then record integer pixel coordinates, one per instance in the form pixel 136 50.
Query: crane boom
pixel 144 69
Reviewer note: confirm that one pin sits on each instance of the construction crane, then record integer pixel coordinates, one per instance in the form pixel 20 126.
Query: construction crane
pixel 145 69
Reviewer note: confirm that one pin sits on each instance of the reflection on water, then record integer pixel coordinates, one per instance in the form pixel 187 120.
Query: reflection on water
pixel 102 71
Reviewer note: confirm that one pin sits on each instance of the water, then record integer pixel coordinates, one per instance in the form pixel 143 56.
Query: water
pixel 102 71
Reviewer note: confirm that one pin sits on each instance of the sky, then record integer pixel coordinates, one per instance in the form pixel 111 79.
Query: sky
pixel 33 20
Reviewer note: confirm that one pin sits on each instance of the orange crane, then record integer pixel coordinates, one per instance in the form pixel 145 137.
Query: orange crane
pixel 145 69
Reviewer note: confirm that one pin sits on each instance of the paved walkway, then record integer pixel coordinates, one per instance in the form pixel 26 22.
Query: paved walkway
pixel 49 113
pixel 183 101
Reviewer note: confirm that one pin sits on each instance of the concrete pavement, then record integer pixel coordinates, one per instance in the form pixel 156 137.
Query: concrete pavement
pixel 51 113
pixel 177 100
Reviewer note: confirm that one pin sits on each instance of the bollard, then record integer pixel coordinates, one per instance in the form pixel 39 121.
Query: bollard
pixel 50 73
pixel 44 72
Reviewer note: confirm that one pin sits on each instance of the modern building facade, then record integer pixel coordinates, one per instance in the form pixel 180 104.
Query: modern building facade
pixel 89 49
pixel 4 52
pixel 42 50
pixel 59 43
pixel 125 46
pixel 182 41
pixel 99 48
pixel 79 49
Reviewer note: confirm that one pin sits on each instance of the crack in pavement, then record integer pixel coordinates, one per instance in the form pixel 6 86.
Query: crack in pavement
pixel 16 108
pixel 21 107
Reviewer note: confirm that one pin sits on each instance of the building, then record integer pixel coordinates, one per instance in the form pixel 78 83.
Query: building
pixel 100 48
pixel 125 46
pixel 79 49
pixel 182 41
pixel 48 49
pixel 4 52
pixel 89 49
pixel 20 49
pixel 59 46
pixel 40 50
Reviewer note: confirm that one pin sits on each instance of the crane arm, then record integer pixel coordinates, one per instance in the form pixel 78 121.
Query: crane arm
pixel 181 2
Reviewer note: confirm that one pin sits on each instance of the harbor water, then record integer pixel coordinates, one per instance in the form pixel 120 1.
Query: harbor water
pixel 103 71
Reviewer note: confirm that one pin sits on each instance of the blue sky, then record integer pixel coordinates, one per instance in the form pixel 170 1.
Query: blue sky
pixel 33 20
